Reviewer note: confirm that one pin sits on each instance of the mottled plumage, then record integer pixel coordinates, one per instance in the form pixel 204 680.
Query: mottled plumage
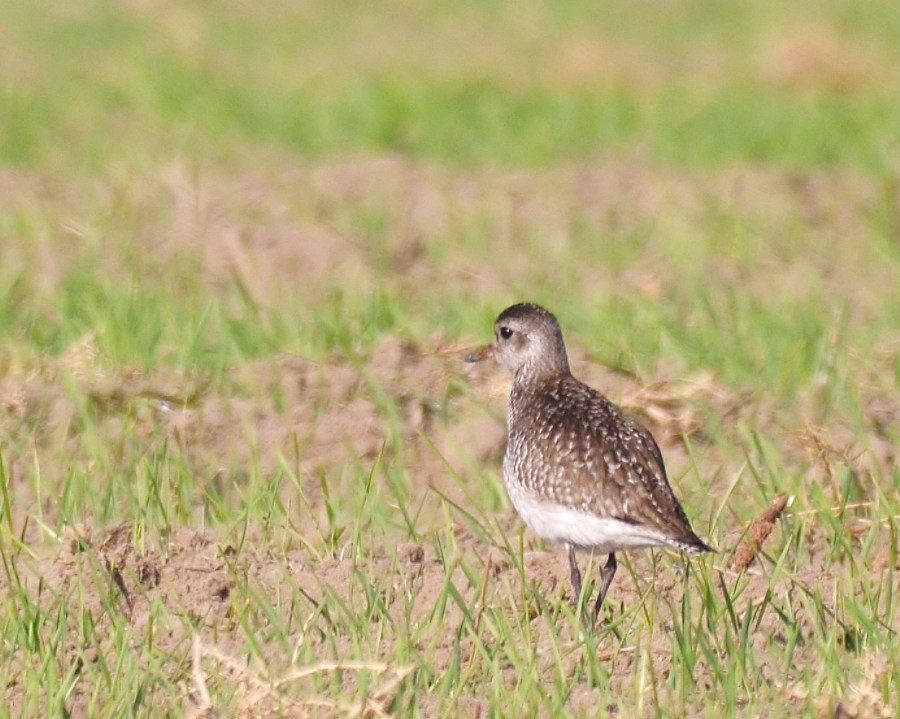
pixel 577 469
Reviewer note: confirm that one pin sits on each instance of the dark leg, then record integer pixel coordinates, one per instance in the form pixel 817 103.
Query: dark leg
pixel 576 574
pixel 609 571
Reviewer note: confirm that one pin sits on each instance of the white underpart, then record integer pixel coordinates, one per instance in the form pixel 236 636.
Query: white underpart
pixel 565 525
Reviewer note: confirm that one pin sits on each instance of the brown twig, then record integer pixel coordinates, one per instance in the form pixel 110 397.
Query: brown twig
pixel 758 532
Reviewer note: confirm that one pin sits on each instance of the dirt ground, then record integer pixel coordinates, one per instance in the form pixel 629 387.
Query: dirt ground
pixel 448 415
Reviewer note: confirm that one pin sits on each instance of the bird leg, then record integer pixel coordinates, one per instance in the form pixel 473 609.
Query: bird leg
pixel 606 575
pixel 575 572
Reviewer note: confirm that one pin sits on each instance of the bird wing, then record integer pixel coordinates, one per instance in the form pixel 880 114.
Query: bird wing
pixel 617 466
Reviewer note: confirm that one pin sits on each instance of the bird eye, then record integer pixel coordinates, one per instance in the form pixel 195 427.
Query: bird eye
pixel 506 333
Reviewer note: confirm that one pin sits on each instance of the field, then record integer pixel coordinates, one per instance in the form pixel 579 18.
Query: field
pixel 244 248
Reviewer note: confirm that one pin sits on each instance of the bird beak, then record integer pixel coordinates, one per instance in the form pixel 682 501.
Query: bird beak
pixel 480 353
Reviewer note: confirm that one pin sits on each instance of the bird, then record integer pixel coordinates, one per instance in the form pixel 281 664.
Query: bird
pixel 578 470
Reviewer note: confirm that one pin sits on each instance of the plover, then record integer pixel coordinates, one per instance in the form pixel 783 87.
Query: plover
pixel 578 471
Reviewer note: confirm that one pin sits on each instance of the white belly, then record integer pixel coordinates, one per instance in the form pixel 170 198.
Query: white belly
pixel 564 525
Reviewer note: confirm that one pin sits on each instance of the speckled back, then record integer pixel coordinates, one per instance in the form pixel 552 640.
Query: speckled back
pixel 572 446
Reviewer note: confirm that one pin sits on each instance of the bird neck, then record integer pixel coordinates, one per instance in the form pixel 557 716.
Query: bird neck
pixel 540 370
pixel 536 381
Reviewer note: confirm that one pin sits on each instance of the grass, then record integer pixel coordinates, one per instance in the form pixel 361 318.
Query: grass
pixel 241 250
pixel 685 86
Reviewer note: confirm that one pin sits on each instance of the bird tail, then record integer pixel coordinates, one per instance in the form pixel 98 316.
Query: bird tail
pixel 692 544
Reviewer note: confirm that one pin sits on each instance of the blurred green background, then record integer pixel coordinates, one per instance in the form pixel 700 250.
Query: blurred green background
pixel 694 83
pixel 119 120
